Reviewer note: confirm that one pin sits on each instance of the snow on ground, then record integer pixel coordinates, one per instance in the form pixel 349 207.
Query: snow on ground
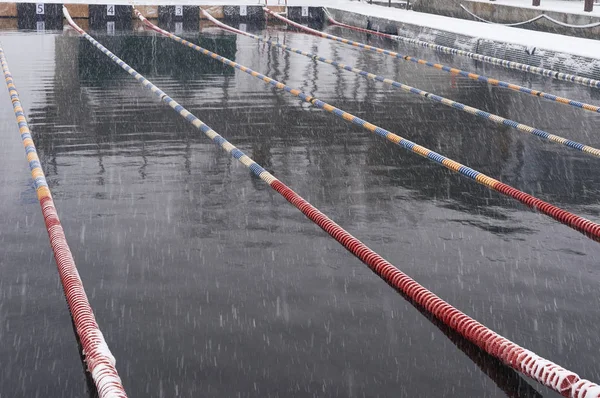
pixel 568 6
pixel 550 41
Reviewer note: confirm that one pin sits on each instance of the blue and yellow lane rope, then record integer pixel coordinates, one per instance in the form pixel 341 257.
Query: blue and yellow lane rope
pixel 433 97
pixel 524 361
pixel 567 77
pixel 578 223
pixel 455 71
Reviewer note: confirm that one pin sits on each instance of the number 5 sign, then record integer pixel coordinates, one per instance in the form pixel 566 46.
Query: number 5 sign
pixel 39 8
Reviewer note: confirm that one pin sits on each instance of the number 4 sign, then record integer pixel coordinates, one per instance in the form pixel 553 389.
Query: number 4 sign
pixel 110 10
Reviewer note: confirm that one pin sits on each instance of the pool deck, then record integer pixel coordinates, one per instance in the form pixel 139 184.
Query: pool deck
pixel 568 54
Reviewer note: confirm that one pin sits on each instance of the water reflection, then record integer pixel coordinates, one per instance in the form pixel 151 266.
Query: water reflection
pixel 197 269
pixel 86 79
pixel 501 151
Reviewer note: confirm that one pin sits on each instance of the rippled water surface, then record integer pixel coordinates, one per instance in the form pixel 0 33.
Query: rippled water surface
pixel 206 282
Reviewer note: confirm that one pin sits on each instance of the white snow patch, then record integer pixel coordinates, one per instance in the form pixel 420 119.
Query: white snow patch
pixel 524 37
pixel 571 7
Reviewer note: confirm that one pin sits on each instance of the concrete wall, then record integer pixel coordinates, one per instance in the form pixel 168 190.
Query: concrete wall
pixel 562 62
pixel 500 13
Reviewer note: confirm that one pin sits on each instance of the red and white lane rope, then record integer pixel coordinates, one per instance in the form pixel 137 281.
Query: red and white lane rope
pixel 528 363
pixel 99 359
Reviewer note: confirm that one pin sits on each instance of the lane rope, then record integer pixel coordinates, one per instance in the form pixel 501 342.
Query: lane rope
pixel 511 354
pixel 455 71
pixel 584 81
pixel 433 97
pixel 541 16
pixel 99 359
pixel 578 223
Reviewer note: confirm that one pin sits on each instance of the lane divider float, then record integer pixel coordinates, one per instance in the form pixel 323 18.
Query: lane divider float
pixel 525 361
pixel 541 16
pixel 589 228
pixel 100 361
pixel 584 81
pixel 473 76
pixel 433 97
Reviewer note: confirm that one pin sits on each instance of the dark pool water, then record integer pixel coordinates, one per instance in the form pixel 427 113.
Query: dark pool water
pixel 206 282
